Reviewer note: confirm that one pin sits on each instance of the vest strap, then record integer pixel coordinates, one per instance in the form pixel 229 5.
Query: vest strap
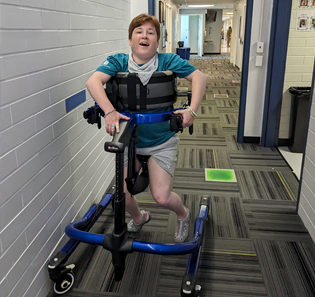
pixel 131 87
pixel 143 97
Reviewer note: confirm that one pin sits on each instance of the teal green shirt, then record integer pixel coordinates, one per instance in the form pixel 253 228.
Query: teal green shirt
pixel 150 135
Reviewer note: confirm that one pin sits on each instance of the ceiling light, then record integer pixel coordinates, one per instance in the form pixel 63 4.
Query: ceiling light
pixel 229 13
pixel 200 5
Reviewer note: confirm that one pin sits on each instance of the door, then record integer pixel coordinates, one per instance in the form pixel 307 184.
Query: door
pixel 200 35
pixel 193 33
pixel 168 26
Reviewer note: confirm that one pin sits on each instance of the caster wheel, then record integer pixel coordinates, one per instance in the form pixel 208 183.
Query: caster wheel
pixel 65 285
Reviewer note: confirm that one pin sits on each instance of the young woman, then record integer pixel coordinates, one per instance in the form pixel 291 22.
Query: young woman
pixel 153 139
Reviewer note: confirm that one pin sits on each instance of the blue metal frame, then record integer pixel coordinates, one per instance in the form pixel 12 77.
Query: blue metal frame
pixel 119 243
pixel 245 68
pixel 74 232
pixel 279 35
pixel 145 118
pixel 151 118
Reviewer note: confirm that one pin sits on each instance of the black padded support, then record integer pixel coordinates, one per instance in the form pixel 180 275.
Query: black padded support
pixel 143 97
pixel 131 87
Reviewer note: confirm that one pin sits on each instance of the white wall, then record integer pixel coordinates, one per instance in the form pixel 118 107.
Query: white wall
pixel 53 165
pixel 299 67
pixel 138 7
pixel 237 40
pixel 307 195
pixel 262 12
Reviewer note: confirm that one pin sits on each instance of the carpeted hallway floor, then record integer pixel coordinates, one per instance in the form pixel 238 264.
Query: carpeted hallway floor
pixel 255 244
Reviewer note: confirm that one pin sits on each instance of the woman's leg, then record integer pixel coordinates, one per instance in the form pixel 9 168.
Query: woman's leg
pixel 132 206
pixel 160 186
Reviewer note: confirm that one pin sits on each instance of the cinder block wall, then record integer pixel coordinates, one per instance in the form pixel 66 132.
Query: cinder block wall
pixel 52 163
pixel 299 66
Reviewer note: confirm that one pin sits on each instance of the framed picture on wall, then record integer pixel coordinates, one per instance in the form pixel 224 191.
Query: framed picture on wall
pixel 305 3
pixel 302 22
pixel 161 11
pixel 302 3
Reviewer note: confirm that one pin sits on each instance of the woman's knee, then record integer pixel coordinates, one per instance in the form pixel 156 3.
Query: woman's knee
pixel 161 196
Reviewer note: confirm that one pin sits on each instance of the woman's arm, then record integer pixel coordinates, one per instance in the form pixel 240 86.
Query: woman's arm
pixel 95 86
pixel 198 81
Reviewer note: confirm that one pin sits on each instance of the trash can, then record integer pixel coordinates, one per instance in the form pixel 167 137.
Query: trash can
pixel 300 117
pixel 183 52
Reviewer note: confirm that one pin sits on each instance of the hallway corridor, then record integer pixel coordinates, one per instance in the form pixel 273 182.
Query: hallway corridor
pixel 255 244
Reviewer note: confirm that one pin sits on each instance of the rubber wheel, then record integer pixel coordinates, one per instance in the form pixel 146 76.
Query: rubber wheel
pixel 65 285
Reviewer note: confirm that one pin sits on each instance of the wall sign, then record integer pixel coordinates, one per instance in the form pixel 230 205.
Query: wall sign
pixel 305 21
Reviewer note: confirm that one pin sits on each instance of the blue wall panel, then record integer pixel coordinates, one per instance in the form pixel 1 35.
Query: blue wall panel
pixel 75 100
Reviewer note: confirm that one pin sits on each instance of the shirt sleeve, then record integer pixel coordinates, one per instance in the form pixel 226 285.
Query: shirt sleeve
pixel 113 64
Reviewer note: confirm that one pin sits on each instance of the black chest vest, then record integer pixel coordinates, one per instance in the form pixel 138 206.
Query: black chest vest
pixel 126 92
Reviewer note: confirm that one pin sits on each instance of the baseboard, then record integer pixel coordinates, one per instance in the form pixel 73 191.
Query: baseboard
pixel 251 139
pixel 281 142
pixel 211 54
pixel 284 142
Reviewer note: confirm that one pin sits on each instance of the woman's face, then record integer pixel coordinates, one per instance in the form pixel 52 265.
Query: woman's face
pixel 143 43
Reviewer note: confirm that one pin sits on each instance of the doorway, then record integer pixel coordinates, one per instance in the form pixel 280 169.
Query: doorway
pixel 191 32
pixel 168 26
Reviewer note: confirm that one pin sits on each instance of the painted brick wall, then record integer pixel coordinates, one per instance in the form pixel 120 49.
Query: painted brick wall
pixel 299 67
pixel 307 195
pixel 52 163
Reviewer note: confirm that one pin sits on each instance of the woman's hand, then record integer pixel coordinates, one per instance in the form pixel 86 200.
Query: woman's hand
pixel 112 122
pixel 188 119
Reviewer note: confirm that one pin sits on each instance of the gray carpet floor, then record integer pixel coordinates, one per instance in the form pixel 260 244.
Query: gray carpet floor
pixel 255 243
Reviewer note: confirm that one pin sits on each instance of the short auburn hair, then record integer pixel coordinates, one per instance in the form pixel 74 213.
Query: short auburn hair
pixel 144 18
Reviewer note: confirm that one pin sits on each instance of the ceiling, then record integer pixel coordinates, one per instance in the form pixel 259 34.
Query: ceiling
pixel 219 4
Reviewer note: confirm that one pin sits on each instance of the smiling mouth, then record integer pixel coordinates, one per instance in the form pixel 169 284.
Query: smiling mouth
pixel 144 44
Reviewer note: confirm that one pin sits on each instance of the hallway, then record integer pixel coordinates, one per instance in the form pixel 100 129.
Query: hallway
pixel 255 244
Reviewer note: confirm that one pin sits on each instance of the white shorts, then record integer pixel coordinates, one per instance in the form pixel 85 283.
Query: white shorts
pixel 164 154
